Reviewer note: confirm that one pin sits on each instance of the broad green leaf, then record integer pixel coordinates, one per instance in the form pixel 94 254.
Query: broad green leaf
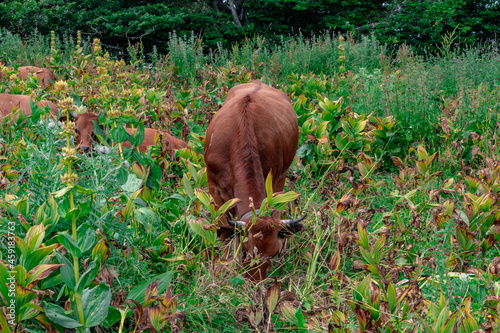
pixel 62 192
pixel 87 277
pixel 269 186
pixel 444 316
pixel 21 247
pixel 39 256
pixel 69 244
pixel 300 318
pixel 341 142
pixel 289 312
pixel 139 292
pixel 192 172
pixel 187 187
pixel 83 190
pixel 360 126
pixel 4 325
pixel 422 153
pixel 203 197
pixel 40 272
pixel 57 315
pixel 208 235
pixel 377 249
pixel 146 217
pixel 225 207
pixel 86 242
pixel 363 237
pixel 119 134
pixel 391 298
pixel 114 315
pixel 100 251
pixel 4 290
pixel 139 136
pixel 362 289
pixel 283 198
pixel 132 184
pixel 34 236
pixel 96 302
pixel 67 270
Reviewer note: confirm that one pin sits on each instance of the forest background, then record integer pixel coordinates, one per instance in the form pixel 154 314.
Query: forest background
pixel 221 23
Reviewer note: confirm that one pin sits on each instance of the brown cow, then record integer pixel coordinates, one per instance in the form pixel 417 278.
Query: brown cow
pixel 45 76
pixel 8 102
pixel 254 133
pixel 84 128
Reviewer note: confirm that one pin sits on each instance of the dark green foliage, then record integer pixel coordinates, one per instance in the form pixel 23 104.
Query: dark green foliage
pixel 117 23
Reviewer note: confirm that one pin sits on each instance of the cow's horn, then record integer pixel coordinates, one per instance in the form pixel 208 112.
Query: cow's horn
pixel 293 222
pixel 236 224
pixel 72 115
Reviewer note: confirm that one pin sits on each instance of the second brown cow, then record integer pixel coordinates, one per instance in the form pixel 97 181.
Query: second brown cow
pixel 84 129
pixel 44 75
pixel 8 102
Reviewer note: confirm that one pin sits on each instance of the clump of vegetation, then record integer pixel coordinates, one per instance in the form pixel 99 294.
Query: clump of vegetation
pixel 400 178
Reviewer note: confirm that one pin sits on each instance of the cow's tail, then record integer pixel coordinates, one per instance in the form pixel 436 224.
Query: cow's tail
pixel 248 157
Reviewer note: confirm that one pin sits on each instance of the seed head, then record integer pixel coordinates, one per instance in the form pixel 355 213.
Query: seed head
pixel 69 179
pixel 96 45
pixel 66 103
pixel 114 113
pixel 129 112
pixel 61 86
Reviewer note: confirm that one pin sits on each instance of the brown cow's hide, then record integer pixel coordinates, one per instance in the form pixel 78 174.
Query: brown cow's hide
pixel 254 133
pixel 84 128
pixel 44 75
pixel 8 102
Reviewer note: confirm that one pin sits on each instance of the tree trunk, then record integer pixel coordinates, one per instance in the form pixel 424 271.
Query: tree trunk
pixel 232 7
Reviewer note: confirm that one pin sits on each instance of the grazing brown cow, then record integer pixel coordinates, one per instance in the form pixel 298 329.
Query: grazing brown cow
pixel 8 102
pixel 84 128
pixel 45 76
pixel 254 133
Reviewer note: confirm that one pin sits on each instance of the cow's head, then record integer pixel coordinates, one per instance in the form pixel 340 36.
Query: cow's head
pixel 84 129
pixel 264 239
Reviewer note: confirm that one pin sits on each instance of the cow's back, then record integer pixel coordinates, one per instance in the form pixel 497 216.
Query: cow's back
pixel 172 142
pixel 254 132
pixel 44 75
pixel 8 102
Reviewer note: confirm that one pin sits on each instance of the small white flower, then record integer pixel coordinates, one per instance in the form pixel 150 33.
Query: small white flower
pixel 103 149
pixel 126 164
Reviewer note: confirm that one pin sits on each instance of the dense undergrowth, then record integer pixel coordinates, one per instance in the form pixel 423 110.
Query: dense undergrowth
pixel 398 168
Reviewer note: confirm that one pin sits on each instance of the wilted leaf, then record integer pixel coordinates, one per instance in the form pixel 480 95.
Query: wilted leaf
pixel 272 296
pixel 335 261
